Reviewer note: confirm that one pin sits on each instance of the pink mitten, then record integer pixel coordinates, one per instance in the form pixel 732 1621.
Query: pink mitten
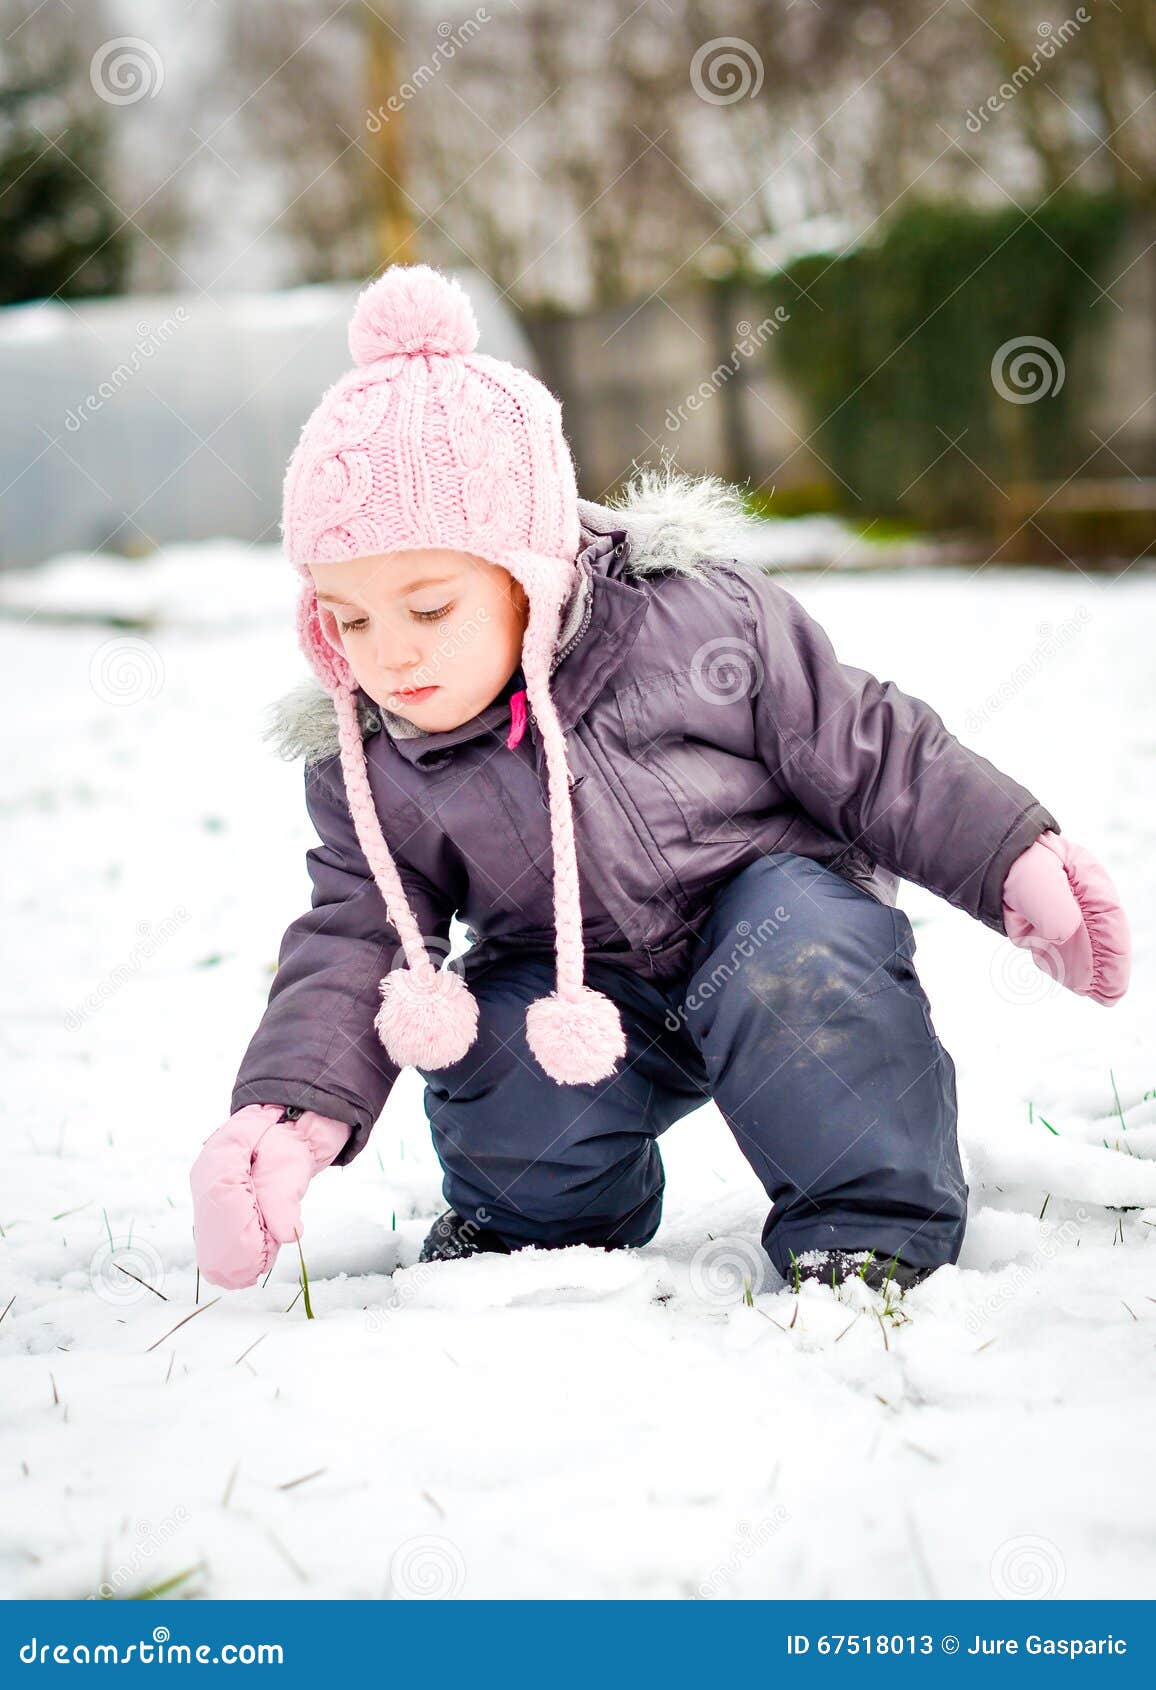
pixel 247 1184
pixel 1059 903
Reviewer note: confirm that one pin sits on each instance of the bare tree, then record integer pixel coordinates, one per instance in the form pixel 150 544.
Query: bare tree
pixel 589 156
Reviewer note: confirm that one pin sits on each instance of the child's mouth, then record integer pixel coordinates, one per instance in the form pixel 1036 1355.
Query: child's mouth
pixel 414 695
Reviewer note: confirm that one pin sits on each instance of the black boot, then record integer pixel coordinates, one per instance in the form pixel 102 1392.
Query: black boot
pixel 832 1267
pixel 451 1237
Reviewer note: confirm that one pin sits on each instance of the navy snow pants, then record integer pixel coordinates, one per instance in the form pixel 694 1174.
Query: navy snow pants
pixel 800 1014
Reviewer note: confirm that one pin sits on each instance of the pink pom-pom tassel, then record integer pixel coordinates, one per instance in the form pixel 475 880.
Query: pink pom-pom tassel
pixel 577 1041
pixel 426 1024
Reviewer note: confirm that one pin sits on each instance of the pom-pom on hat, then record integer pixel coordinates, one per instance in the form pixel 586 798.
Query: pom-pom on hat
pixel 428 442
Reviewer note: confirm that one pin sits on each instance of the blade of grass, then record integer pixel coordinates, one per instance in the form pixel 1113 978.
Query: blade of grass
pixel 75 1211
pixel 143 1282
pixel 290 1484
pixel 304 1276
pixel 152 1591
pixel 181 1323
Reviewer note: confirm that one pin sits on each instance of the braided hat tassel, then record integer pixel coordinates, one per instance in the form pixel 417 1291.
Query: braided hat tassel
pixel 576 1033
pixel 428 1017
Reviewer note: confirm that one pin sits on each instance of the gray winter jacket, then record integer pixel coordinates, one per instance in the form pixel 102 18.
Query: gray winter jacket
pixel 708 722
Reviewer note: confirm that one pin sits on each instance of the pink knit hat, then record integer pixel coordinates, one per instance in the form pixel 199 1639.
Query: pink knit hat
pixel 426 442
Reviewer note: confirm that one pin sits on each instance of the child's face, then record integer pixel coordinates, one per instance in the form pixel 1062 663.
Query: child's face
pixel 442 620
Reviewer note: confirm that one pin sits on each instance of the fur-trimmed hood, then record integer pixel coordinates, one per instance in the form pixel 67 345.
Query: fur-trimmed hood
pixel 675 523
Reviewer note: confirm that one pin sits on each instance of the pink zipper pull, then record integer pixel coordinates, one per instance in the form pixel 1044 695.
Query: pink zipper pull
pixel 517 718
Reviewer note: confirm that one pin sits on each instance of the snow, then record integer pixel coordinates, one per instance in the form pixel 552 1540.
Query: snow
pixel 156 419
pixel 212 584
pixel 557 1423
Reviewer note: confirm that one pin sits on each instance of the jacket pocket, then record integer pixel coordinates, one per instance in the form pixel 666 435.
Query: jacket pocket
pixel 696 751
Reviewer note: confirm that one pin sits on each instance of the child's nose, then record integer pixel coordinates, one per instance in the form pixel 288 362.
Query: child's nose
pixel 396 651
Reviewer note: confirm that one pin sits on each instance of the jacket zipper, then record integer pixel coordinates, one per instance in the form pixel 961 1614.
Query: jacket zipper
pixel 579 631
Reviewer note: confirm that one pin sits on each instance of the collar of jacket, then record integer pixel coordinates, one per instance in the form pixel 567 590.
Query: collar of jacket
pixel 617 606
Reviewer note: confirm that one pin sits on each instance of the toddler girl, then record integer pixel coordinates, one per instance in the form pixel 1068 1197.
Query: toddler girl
pixel 672 819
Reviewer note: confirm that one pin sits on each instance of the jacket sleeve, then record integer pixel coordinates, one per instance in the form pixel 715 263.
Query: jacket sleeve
pixel 316 1045
pixel 877 768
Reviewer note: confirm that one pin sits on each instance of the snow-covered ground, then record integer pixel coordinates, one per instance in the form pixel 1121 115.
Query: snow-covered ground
pixel 566 1423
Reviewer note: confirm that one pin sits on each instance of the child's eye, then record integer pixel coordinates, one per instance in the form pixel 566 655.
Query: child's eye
pixel 360 622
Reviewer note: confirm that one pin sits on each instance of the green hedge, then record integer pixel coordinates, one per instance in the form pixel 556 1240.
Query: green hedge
pixel 892 353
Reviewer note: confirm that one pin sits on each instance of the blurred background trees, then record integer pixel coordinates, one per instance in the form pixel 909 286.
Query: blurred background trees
pixel 907 180
pixel 578 155
pixel 59 231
